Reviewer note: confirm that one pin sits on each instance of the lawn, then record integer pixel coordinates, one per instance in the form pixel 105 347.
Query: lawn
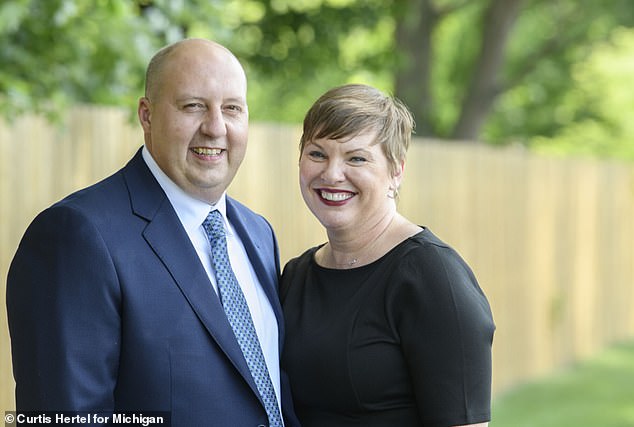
pixel 595 393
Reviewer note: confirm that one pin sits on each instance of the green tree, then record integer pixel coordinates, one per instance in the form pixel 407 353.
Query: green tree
pixel 458 64
pixel 599 110
pixel 58 52
pixel 493 70
pixel 540 74
pixel 55 52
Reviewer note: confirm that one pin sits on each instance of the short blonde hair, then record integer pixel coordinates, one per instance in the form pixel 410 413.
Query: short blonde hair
pixel 353 109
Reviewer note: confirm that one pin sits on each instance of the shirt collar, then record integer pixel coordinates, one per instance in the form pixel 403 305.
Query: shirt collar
pixel 191 211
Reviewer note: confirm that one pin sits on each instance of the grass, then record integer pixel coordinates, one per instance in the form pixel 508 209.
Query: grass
pixel 595 393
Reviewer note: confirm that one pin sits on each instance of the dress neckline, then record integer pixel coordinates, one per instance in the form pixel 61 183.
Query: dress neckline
pixel 364 267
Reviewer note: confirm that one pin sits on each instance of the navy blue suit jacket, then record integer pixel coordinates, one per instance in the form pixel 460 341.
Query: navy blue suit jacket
pixel 110 309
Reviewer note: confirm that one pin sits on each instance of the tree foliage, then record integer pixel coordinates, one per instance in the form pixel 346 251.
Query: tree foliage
pixel 56 52
pixel 494 70
pixel 458 64
pixel 598 113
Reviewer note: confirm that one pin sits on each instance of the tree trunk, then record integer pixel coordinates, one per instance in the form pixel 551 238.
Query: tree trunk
pixel 415 23
pixel 498 22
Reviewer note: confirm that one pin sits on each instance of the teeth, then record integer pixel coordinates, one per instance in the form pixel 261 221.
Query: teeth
pixel 335 197
pixel 207 151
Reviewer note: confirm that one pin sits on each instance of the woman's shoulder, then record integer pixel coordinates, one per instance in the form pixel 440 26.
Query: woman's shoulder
pixel 301 261
pixel 427 238
pixel 429 246
pixel 433 270
pixel 296 269
pixel 424 244
pixel 427 262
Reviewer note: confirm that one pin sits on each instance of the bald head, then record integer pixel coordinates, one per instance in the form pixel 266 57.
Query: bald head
pixel 180 51
pixel 195 116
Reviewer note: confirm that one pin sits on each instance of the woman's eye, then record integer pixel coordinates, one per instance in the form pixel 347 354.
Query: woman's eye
pixel 316 154
pixel 358 159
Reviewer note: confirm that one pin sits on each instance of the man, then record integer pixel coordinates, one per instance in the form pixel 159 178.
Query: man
pixel 113 300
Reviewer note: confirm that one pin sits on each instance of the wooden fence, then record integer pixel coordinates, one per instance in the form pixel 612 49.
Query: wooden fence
pixel 551 240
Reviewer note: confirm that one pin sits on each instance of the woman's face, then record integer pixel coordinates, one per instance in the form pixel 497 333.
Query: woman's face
pixel 347 183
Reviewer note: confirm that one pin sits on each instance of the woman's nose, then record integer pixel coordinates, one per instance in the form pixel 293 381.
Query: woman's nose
pixel 333 172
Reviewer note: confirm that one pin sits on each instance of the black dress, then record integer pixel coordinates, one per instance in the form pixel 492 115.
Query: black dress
pixel 404 341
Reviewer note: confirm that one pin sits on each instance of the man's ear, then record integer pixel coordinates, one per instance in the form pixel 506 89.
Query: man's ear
pixel 144 113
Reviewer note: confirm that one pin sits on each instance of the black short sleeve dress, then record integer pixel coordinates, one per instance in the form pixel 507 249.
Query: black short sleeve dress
pixel 404 341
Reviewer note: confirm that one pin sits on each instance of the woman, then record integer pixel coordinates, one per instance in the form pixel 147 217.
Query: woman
pixel 386 324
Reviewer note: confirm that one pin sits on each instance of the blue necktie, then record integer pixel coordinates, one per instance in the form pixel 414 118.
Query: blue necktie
pixel 237 311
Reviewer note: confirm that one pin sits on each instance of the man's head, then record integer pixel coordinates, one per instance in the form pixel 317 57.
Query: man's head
pixel 194 116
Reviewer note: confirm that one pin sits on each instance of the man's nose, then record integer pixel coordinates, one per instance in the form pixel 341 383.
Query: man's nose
pixel 214 124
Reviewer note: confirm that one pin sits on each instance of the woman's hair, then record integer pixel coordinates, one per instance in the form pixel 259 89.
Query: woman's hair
pixel 354 109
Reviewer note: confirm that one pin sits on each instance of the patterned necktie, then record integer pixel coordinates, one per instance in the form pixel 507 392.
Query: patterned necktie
pixel 237 311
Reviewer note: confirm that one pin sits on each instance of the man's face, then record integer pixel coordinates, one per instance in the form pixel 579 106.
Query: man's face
pixel 196 120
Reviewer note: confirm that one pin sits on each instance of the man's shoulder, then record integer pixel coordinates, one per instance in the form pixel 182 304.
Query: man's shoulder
pixel 100 193
pixel 238 209
pixel 104 195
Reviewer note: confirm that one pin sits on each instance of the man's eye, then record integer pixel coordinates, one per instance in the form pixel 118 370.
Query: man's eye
pixel 193 106
pixel 235 108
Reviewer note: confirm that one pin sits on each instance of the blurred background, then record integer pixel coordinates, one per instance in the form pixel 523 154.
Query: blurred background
pixel 523 156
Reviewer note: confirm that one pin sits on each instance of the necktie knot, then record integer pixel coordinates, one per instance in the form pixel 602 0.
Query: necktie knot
pixel 214 225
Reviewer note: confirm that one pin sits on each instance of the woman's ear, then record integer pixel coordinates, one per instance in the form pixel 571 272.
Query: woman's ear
pixel 398 174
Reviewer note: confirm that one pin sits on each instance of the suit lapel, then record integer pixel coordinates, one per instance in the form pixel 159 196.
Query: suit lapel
pixel 169 241
pixel 259 248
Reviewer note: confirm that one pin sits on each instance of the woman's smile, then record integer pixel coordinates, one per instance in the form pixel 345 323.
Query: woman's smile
pixel 334 197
